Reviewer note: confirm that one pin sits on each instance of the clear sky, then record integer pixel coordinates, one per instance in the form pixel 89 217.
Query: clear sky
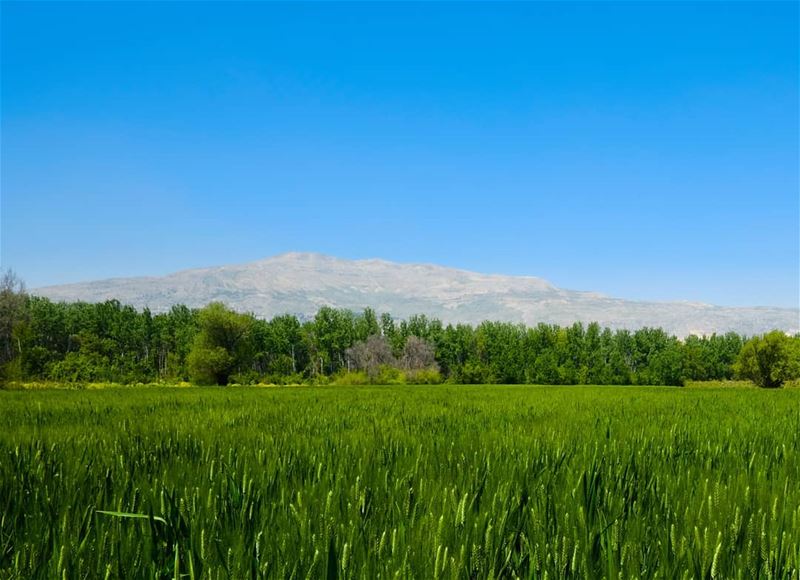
pixel 645 150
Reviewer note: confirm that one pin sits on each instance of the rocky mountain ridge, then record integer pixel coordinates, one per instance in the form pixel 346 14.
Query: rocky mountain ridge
pixel 301 283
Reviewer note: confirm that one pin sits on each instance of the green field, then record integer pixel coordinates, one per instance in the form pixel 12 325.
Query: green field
pixel 408 482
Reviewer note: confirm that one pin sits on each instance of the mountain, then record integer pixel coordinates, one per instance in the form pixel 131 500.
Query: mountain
pixel 300 283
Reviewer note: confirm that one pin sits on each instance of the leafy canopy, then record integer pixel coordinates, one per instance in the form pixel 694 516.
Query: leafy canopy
pixel 770 360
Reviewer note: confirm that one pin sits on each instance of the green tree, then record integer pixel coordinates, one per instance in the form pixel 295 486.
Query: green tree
pixel 172 340
pixel 499 348
pixel 333 332
pixel 222 346
pixel 770 360
pixel 366 325
pixel 455 346
pixel 281 347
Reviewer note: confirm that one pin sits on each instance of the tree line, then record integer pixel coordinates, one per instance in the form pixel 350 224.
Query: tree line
pixel 78 342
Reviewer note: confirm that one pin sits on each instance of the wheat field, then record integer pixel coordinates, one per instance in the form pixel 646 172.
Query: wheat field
pixel 400 482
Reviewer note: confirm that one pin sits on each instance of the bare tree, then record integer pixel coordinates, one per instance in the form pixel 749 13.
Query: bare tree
pixel 13 299
pixel 418 354
pixel 370 355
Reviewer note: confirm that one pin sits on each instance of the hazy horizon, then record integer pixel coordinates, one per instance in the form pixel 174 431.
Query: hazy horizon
pixel 647 151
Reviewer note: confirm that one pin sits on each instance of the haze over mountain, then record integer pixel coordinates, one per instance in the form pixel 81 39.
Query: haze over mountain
pixel 300 283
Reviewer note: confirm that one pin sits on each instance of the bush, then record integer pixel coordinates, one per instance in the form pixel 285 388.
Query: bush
pixel 386 375
pixel 390 376
pixel 77 367
pixel 424 377
pixel 351 378
pixel 475 373
pixel 320 380
pixel 209 366
pixel 245 378
pixel 284 379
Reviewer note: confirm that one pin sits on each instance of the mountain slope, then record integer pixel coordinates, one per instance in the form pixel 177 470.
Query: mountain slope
pixel 300 283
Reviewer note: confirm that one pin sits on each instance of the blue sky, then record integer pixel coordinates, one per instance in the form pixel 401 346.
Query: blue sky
pixel 645 150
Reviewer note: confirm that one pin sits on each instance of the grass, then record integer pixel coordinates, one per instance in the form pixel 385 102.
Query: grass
pixel 720 384
pixel 52 385
pixel 400 482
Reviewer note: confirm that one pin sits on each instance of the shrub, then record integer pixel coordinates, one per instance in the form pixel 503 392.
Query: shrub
pixel 475 373
pixel 390 376
pixel 80 367
pixel 245 378
pixel 209 366
pixel 424 377
pixel 351 378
